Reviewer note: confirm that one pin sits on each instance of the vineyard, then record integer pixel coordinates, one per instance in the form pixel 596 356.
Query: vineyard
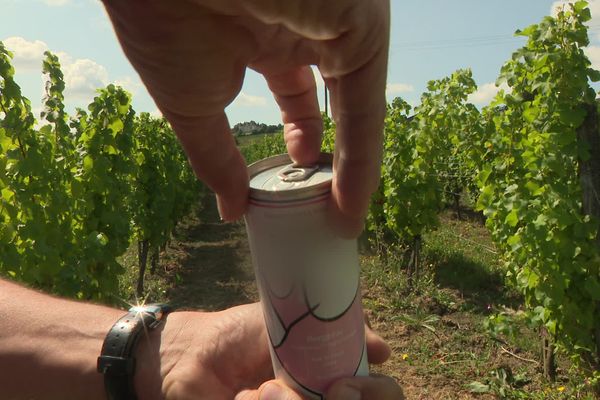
pixel 80 194
pixel 77 191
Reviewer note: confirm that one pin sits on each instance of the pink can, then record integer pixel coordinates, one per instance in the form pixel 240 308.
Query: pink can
pixel 308 278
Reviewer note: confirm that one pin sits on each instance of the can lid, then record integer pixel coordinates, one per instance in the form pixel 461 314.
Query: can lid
pixel 279 179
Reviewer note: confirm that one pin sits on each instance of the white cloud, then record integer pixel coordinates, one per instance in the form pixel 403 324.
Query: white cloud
pixel 593 53
pixel 156 113
pixel 56 3
pixel 486 93
pixel 132 85
pixel 247 100
pixel 27 55
pixel 82 77
pixel 36 111
pixel 398 88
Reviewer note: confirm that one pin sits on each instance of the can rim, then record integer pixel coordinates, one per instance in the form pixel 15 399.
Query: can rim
pixel 287 195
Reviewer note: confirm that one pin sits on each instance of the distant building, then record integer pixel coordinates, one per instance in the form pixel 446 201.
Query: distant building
pixel 253 128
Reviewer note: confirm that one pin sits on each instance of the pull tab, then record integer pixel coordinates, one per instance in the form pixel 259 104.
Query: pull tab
pixel 295 173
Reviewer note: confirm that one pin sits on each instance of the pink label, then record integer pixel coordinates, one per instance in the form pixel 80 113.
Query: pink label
pixel 314 352
pixel 309 285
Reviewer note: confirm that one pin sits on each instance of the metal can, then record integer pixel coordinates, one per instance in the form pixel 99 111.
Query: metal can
pixel 308 278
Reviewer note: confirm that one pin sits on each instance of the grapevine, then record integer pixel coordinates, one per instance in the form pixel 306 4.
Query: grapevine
pixel 531 192
pixel 75 192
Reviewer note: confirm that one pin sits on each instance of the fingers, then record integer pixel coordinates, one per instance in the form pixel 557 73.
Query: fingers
pixel 354 66
pixel 296 94
pixel 375 387
pixel 366 388
pixel 212 152
pixel 378 350
pixel 272 390
pixel 358 105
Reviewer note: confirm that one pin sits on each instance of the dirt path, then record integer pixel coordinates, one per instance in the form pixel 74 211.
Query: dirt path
pixel 214 269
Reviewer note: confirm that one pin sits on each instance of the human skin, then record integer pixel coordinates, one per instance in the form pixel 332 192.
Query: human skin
pixel 192 56
pixel 49 347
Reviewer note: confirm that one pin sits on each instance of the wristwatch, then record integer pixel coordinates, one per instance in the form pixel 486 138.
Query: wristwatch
pixel 116 361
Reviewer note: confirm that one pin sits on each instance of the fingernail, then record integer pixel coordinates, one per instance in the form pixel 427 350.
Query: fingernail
pixel 347 393
pixel 272 391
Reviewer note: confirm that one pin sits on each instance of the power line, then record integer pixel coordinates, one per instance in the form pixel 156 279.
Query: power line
pixel 473 41
pixel 454 40
pixel 456 45
pixel 465 42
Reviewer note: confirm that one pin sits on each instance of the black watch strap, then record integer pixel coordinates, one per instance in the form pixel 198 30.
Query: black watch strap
pixel 116 360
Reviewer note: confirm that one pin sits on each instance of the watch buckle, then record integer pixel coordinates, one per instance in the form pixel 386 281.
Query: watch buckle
pixel 120 366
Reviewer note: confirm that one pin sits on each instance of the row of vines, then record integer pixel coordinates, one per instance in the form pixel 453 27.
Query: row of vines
pixel 76 191
pixel 529 161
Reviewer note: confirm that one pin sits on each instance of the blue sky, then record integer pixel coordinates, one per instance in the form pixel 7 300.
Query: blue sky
pixel 430 39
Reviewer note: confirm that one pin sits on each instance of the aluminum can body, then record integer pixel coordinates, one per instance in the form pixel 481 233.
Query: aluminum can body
pixel 308 278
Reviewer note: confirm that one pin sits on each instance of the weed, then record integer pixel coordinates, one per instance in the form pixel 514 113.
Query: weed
pixel 502 383
pixel 419 320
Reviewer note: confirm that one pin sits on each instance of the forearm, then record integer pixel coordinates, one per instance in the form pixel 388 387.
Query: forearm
pixel 49 346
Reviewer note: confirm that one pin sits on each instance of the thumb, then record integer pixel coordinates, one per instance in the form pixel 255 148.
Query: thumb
pixel 375 387
pixel 272 390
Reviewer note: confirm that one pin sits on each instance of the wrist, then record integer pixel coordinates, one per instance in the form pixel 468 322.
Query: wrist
pixel 54 341
pixel 158 351
pixel 147 379
pixel 83 346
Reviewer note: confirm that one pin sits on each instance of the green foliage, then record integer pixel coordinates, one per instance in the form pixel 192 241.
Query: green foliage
pixel 102 187
pixel 273 144
pixel 67 208
pixel 328 139
pixel 419 320
pixel 530 185
pixel 502 383
pixel 411 199
pixel 506 323
pixel 163 185
pixel 419 150
pixel 269 145
pixel 31 200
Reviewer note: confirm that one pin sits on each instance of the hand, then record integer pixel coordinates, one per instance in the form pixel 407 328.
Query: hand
pixel 192 56
pixel 224 355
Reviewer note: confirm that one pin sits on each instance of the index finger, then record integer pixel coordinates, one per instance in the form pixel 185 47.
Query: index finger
pixel 216 160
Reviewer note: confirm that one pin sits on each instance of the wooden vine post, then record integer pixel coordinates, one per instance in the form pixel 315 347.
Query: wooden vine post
pixel 589 175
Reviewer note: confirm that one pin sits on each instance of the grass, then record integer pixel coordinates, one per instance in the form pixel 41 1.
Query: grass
pixel 444 346
pixel 169 273
pixel 156 285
